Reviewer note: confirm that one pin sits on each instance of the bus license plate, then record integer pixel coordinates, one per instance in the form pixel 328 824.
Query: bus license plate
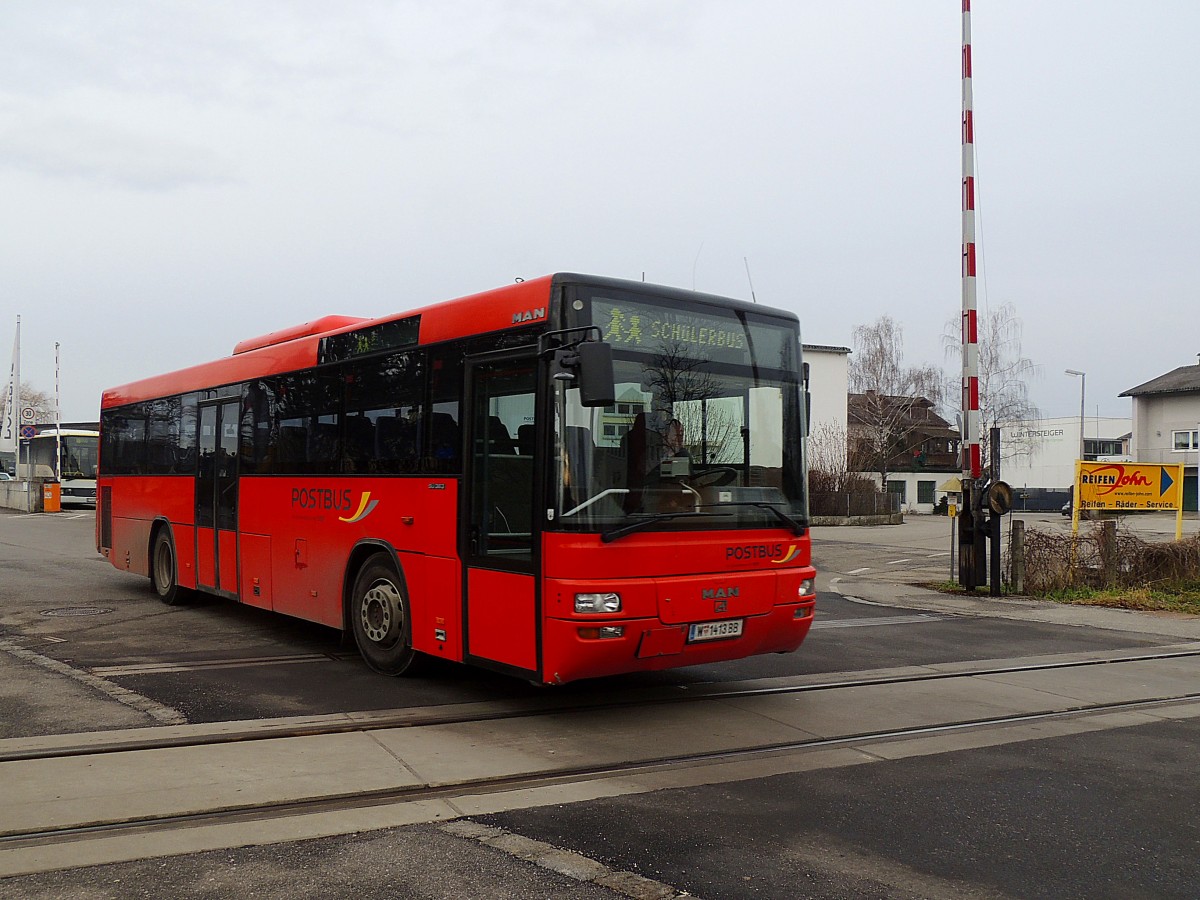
pixel 712 631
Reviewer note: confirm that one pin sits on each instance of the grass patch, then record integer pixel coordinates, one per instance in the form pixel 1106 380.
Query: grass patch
pixel 1184 598
pixel 953 587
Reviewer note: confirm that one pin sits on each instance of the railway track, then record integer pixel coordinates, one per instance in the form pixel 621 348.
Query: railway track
pixel 475 787
pixel 476 712
pixel 444 763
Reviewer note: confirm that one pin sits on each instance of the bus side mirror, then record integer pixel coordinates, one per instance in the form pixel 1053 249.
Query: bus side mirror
pixel 588 366
pixel 597 386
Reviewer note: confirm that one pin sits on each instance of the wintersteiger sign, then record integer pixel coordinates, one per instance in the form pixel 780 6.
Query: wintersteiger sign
pixel 1129 486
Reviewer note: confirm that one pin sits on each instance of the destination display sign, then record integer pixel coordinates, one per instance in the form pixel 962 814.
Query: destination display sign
pixel 693 332
pixel 1130 486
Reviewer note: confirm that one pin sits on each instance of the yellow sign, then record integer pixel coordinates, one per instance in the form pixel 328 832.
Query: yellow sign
pixel 1107 485
pixel 1128 486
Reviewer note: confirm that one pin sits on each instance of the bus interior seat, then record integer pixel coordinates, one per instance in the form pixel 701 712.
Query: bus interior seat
pixel 395 438
pixel 322 445
pixel 444 436
pixel 499 438
pixel 360 439
pixel 525 439
pixel 293 441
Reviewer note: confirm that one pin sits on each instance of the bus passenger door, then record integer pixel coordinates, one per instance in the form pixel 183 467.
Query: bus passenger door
pixel 217 498
pixel 501 603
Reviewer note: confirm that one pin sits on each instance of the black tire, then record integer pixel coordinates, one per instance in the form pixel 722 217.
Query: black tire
pixel 380 617
pixel 164 569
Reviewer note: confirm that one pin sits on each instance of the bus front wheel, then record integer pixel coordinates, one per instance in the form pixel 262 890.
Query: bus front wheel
pixel 164 572
pixel 379 617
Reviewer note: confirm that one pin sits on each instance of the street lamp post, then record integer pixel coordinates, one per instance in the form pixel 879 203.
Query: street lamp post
pixel 1082 385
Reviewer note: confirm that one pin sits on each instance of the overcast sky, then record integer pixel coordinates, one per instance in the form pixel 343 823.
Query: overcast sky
pixel 178 176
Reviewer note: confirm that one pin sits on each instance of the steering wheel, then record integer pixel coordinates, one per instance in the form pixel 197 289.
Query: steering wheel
pixel 715 477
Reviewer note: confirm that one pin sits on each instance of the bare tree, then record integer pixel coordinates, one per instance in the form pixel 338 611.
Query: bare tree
pixel 1004 376
pixel 42 403
pixel 828 458
pixel 894 397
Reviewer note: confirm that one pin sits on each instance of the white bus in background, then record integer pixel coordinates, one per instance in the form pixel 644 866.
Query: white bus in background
pixel 78 453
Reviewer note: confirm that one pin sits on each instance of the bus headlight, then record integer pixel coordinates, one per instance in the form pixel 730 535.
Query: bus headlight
pixel 598 603
pixel 806 587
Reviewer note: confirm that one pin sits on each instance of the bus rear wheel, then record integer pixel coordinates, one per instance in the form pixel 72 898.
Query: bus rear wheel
pixel 380 619
pixel 164 571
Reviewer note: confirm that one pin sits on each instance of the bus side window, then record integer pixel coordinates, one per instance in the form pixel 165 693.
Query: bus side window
pixel 185 449
pixel 443 454
pixel 162 435
pixel 128 441
pixel 382 403
pixel 303 416
pixel 254 426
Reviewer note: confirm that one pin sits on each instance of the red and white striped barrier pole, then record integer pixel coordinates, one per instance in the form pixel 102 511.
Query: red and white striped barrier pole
pixel 970 437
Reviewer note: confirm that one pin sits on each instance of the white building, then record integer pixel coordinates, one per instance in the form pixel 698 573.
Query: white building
pixel 829 383
pixel 1166 423
pixel 1037 457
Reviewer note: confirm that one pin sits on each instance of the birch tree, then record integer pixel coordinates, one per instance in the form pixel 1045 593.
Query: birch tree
pixel 1004 376
pixel 892 398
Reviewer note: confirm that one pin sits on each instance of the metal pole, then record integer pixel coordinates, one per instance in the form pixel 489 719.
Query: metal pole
pixel 953 525
pixel 1082 392
pixel 993 517
pixel 970 328
pixel 1082 419
pixel 57 422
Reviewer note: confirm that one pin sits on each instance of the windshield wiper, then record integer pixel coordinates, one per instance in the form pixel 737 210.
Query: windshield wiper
pixel 797 528
pixel 621 531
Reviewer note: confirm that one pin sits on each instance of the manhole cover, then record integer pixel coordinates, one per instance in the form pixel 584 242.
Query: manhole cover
pixel 76 611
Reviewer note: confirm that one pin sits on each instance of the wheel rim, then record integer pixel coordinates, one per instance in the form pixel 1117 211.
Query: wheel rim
pixel 380 612
pixel 164 568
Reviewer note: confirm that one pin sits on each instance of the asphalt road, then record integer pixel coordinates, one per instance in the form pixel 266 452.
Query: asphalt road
pixel 1101 813
pixel 214 660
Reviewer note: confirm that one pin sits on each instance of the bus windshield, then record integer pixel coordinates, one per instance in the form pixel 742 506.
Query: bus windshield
pixel 78 456
pixel 705 432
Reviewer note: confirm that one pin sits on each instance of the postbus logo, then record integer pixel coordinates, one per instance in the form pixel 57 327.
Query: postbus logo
pixel 366 506
pixel 324 499
pixel 775 553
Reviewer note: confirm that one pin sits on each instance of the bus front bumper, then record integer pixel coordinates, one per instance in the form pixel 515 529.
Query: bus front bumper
pixel 577 649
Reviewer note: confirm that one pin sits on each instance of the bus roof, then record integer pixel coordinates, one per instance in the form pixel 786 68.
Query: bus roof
pixel 294 348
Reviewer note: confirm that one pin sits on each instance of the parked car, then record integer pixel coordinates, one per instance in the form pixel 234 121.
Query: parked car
pixel 4 476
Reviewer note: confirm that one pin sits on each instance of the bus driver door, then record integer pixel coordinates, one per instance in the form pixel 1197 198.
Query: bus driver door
pixel 217 498
pixel 501 606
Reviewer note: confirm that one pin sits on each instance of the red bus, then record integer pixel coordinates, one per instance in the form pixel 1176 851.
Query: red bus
pixel 563 478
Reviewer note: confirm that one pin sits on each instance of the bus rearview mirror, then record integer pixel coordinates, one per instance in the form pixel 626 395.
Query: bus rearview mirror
pixel 594 375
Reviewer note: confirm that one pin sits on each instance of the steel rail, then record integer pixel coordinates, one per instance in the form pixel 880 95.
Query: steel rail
pixel 496 785
pixel 531 707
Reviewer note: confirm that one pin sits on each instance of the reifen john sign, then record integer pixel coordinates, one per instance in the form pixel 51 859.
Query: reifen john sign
pixel 1107 485
pixel 1128 487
